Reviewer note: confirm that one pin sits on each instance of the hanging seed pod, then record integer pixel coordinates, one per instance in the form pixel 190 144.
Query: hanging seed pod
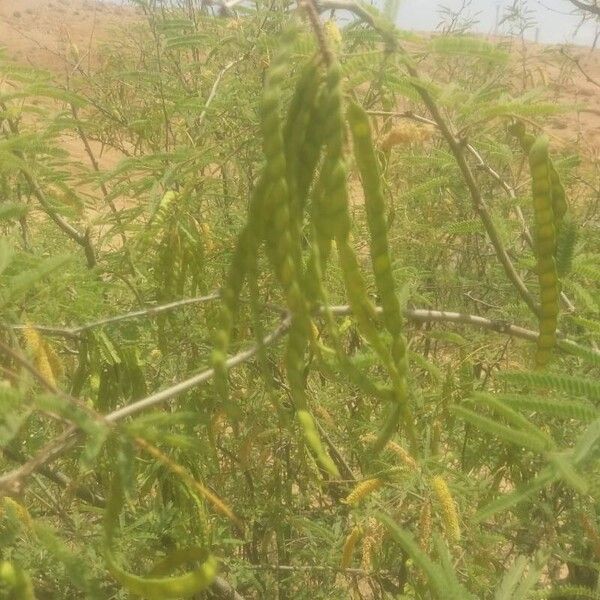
pixel 545 246
pixel 366 160
pixel 313 441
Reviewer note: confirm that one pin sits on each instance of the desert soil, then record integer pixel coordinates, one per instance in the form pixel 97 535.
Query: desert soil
pixel 38 32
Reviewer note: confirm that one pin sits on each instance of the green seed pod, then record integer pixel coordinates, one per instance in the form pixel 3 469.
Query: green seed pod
pixel 313 441
pixel 544 215
pixel 542 357
pixel 247 245
pixel 546 231
pixel 545 246
pixel 547 326
pixel 550 311
pixel 368 166
pixel 154 588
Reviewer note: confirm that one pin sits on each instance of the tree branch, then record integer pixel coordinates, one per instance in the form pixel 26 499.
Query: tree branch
pixel 591 8
pixel 183 386
pixel 457 148
pixel 151 311
pixel 481 164
pixel 12 482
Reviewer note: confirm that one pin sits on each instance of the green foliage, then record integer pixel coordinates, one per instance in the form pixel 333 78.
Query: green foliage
pixel 149 426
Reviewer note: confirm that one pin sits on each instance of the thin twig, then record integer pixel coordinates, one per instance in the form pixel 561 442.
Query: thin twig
pixel 513 196
pixel 83 239
pixel 591 8
pixel 406 114
pixel 151 311
pixel 60 479
pixel 409 114
pixel 457 148
pixel 310 6
pixel 215 86
pixel 225 590
pixel 186 385
pixel 577 63
pixel 12 481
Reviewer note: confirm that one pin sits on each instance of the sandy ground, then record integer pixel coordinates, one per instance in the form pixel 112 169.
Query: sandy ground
pixel 38 32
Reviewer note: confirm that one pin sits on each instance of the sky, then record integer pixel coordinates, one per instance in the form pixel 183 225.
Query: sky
pixel 555 21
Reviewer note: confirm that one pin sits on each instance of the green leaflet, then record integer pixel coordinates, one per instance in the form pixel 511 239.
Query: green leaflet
pixel 154 588
pixel 520 579
pixel 554 407
pixel 568 472
pixel 565 247
pixel 523 492
pixel 526 439
pixel 569 384
pixel 467 46
pixel 573 592
pixel 512 416
pixel 442 578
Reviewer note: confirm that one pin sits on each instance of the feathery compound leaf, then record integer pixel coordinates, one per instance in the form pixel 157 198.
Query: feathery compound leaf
pixel 153 588
pixel 468 46
pixel 22 283
pixel 519 495
pixel 569 384
pixel 511 580
pixel 572 592
pixel 566 239
pixel 443 584
pixel 466 227
pixel 524 439
pixel 589 355
pixel 567 472
pixel 512 416
pixel 520 579
pixel 590 325
pixel 12 210
pixel 587 442
pixel 555 407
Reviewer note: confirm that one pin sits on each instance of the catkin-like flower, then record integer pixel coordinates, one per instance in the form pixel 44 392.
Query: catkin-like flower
pixel 405 134
pixel 349 545
pixel 37 347
pixel 425 525
pixel 19 510
pixel 448 508
pixel 333 34
pixel 362 490
pixel 370 543
pixel 394 447
pixel 402 454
